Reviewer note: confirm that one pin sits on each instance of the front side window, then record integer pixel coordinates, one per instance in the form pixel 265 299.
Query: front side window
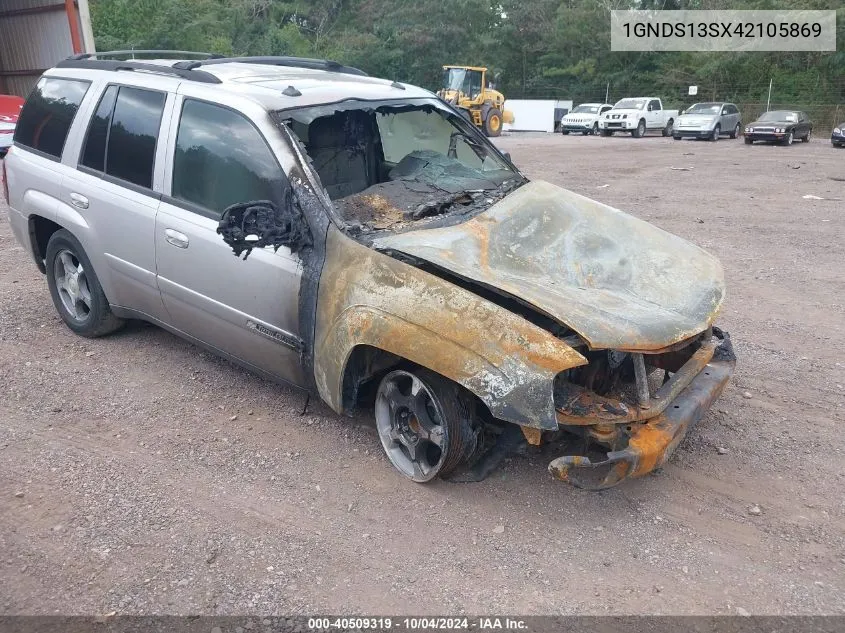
pixel 654 105
pixel 131 147
pixel 46 118
pixel 221 159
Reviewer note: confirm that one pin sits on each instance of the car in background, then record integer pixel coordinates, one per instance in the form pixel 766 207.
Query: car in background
pixel 10 109
pixel 780 126
pixel 837 137
pixel 636 116
pixel 708 120
pixel 584 118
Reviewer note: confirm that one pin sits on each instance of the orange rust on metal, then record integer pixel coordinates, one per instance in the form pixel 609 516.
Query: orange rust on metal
pixel 652 442
pixel 532 435
pixel 368 298
pixel 617 281
pixel 584 408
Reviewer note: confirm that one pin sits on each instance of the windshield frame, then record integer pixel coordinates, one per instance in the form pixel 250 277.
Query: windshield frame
pixel 782 118
pixel 641 101
pixel 709 105
pixel 282 116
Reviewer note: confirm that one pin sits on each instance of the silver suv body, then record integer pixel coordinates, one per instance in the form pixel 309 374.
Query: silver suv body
pixel 359 238
pixel 709 120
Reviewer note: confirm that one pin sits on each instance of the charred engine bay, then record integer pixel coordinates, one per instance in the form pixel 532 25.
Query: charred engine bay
pixel 426 189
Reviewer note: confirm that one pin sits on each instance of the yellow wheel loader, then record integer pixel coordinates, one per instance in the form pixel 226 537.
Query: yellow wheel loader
pixel 467 88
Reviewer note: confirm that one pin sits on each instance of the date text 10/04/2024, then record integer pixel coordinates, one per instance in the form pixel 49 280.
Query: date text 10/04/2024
pixel 417 624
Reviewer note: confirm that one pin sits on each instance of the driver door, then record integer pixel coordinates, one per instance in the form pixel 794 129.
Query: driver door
pixel 246 309
pixel 654 116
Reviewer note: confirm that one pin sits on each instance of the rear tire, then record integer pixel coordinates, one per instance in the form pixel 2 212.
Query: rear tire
pixel 806 139
pixel 735 133
pixel 493 122
pixel 670 124
pixel 75 288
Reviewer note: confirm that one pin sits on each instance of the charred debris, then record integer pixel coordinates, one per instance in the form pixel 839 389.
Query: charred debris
pixel 394 168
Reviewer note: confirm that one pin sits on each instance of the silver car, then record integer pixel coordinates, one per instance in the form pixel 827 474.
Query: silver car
pixel 360 239
pixel 708 120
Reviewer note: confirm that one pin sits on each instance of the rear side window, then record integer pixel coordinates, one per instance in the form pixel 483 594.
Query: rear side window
pixel 94 150
pixel 48 114
pixel 122 135
pixel 131 147
pixel 221 159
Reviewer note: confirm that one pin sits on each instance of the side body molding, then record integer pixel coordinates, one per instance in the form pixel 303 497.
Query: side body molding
pixel 368 298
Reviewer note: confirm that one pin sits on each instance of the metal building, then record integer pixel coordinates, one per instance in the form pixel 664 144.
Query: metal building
pixel 35 34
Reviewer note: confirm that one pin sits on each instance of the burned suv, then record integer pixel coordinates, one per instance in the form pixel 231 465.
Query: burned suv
pixel 360 239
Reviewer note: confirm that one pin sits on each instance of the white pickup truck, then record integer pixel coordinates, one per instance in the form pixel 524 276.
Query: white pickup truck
pixel 637 116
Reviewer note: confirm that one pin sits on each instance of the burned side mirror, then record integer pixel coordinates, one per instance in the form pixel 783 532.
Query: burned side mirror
pixel 261 223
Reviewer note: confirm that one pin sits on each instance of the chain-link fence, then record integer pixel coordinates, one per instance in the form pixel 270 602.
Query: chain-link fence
pixel 819 104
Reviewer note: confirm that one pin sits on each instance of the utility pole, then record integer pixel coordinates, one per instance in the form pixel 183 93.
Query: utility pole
pixel 607 93
pixel 769 100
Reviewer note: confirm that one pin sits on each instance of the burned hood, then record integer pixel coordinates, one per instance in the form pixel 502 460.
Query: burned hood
pixel 619 282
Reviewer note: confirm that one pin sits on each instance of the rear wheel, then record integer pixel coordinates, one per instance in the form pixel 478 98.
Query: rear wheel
pixel 735 133
pixel 667 131
pixel 75 289
pixel 426 423
pixel 493 122
pixel 806 139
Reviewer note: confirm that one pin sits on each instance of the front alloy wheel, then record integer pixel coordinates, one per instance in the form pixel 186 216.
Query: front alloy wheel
pixel 716 131
pixel 425 423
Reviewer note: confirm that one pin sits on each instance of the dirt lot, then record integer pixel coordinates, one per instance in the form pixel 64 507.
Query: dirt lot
pixel 141 475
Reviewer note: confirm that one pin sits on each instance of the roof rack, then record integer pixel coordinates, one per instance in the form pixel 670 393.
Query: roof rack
pixel 145 52
pixel 295 62
pixel 121 65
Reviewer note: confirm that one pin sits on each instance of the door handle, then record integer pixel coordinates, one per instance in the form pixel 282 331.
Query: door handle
pixel 179 240
pixel 78 200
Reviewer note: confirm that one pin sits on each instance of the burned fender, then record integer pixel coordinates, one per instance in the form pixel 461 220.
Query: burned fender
pixel 368 298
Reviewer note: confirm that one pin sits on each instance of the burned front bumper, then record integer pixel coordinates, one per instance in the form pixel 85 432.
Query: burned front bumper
pixel 651 434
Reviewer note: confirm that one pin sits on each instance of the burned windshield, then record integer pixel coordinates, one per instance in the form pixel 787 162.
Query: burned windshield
pixel 388 165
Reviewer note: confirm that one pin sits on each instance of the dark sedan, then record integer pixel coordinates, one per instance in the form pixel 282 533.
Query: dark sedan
pixel 837 137
pixel 780 126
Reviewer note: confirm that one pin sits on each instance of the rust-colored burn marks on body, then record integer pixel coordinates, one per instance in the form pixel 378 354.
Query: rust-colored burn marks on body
pixel 651 443
pixel 619 282
pixel 368 298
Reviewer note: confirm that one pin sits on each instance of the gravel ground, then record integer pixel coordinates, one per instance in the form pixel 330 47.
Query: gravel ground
pixel 141 475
